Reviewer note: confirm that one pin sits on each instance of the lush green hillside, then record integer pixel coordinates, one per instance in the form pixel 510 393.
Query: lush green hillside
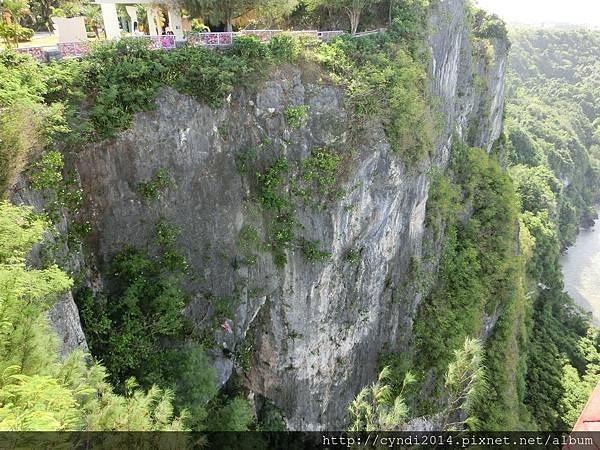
pixel 553 116
pixel 553 145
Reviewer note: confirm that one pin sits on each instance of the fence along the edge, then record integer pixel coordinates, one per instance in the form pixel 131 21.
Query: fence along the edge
pixel 167 42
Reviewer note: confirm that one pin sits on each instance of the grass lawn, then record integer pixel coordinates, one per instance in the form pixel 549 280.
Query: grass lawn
pixel 45 40
pixel 37 41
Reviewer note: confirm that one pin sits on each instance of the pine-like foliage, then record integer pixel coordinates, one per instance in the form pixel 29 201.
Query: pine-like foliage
pixel 465 380
pixel 376 408
pixel 37 391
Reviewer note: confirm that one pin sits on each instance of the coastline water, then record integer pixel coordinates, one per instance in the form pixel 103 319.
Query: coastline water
pixel 581 271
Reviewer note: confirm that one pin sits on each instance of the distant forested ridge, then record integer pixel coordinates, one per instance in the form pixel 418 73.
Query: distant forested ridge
pixel 552 145
pixel 553 116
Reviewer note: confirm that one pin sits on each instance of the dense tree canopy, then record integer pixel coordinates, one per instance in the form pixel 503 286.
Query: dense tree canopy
pixel 552 130
pixel 552 116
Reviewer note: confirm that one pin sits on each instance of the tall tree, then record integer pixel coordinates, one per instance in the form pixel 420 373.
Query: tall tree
pixel 272 13
pixel 220 11
pixel 42 12
pixel 93 18
pixel 15 9
pixel 352 8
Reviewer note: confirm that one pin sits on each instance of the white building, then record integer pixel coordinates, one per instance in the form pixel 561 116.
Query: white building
pixel 111 19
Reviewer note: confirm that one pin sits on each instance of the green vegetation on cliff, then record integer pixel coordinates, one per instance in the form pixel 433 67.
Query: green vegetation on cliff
pixel 504 230
pixel 478 258
pixel 38 390
pixel 29 115
pixel 481 279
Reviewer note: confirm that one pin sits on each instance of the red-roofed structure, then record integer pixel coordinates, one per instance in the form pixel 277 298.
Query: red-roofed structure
pixel 588 425
pixel 590 417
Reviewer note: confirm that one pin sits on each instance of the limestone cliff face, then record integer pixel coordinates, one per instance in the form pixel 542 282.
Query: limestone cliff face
pixel 468 78
pixel 316 328
pixel 64 316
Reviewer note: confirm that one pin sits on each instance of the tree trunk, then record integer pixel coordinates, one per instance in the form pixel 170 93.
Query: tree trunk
pixel 354 15
pixel 47 14
pixel 228 25
pixel 49 24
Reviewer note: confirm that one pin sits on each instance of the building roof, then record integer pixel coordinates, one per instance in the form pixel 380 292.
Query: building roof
pixel 590 416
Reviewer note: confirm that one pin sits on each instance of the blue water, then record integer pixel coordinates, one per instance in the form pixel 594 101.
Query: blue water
pixel 581 270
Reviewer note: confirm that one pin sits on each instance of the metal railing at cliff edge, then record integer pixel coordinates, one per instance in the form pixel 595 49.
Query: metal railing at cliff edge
pixel 167 42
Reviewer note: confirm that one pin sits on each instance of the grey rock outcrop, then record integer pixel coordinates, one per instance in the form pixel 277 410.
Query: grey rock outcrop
pixel 317 328
pixel 64 316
